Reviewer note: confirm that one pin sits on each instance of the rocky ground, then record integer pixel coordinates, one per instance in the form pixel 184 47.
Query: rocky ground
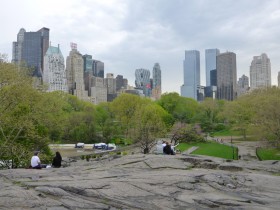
pixel 145 182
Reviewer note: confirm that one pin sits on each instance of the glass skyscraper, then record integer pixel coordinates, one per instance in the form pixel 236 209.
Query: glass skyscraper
pixel 210 65
pixel 191 74
pixel 31 48
pixel 226 76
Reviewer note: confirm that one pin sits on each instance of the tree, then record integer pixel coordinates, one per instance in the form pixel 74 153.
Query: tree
pixel 266 118
pixel 182 109
pixel 20 112
pixel 149 124
pixel 209 113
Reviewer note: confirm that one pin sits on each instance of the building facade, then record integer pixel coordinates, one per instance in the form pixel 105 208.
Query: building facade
pixel 75 74
pixel 98 68
pixel 226 76
pixel 242 85
pixel 191 74
pixel 211 65
pixel 110 83
pixel 54 75
pixel 156 87
pixel 98 90
pixel 260 72
pixel 142 81
pixel 31 48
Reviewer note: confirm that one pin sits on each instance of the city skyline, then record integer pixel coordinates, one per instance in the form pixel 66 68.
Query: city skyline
pixel 128 35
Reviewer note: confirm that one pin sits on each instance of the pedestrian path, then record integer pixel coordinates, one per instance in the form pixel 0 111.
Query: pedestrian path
pixel 190 150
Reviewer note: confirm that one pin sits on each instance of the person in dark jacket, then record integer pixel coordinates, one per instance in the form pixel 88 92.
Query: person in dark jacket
pixel 57 160
pixel 168 150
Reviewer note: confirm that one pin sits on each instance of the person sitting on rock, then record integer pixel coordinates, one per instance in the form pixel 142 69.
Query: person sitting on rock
pixel 57 160
pixel 35 161
pixel 168 150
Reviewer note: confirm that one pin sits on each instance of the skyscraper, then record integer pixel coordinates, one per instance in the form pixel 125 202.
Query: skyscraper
pixel 54 74
pixel 260 72
pixel 31 48
pixel 226 76
pixel 210 65
pixel 191 74
pixel 142 81
pixel 110 83
pixel 75 73
pixel 98 68
pixel 156 87
pixel 242 85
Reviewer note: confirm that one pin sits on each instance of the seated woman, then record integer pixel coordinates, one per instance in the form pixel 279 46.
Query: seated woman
pixel 57 160
pixel 168 150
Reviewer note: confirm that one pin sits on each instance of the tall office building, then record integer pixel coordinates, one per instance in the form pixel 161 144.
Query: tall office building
pixel 75 74
pixel 31 48
pixel 142 81
pixel 98 68
pixel 121 83
pixel 226 76
pixel 110 83
pixel 260 72
pixel 191 74
pixel 210 65
pixel 17 47
pixel 54 75
pixel 242 85
pixel 88 61
pixel 98 90
pixel 156 87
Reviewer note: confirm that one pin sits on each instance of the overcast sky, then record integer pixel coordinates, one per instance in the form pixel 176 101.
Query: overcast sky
pixel 131 34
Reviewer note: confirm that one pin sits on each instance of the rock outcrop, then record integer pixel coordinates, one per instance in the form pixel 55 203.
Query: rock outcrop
pixel 145 182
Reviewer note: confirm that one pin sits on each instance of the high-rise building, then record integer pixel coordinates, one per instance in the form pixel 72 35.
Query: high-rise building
pixel 191 74
pixel 98 68
pixel 242 85
pixel 260 72
pixel 98 90
pixel 110 83
pixel 75 73
pixel 226 76
pixel 210 65
pixel 54 75
pixel 88 61
pixel 156 87
pixel 31 48
pixel 17 47
pixel 121 83
pixel 142 81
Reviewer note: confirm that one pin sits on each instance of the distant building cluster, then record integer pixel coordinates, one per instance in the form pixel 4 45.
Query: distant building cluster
pixel 221 75
pixel 82 76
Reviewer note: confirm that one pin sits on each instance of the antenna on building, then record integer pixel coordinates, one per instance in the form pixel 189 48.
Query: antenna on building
pixel 73 46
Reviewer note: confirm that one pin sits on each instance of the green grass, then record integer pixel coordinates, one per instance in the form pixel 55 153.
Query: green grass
pixel 268 154
pixel 226 133
pixel 211 149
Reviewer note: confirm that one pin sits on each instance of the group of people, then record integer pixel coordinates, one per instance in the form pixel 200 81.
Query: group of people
pixel 36 163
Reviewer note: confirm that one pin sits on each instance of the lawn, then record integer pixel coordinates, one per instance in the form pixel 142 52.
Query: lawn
pixel 211 149
pixel 268 154
pixel 226 133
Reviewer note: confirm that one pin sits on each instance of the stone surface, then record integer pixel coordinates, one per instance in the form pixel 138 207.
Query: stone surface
pixel 145 182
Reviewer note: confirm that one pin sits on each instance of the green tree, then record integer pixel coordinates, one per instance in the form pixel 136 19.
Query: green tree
pixel 149 124
pixel 182 109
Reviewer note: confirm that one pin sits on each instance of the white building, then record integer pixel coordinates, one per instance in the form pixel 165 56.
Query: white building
pixel 75 74
pixel 54 75
pixel 260 72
